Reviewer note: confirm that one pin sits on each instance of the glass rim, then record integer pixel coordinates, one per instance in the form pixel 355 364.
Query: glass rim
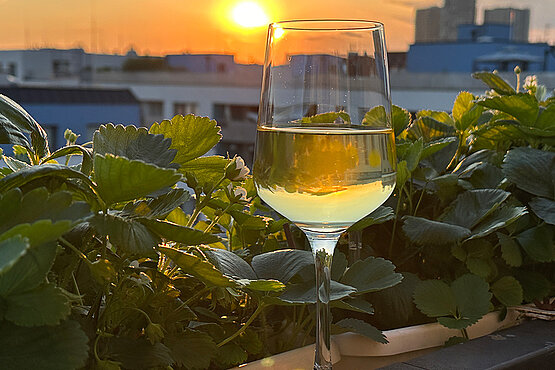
pixel 335 25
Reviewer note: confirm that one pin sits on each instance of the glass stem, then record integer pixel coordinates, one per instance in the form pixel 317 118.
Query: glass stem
pixel 323 245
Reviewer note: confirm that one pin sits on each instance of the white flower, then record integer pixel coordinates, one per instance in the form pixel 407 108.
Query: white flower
pixel 237 194
pixel 236 169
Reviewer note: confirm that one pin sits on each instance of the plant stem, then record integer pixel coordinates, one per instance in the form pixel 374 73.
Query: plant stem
pixel 245 325
pixel 218 218
pixel 73 248
pixel 195 296
pixel 397 209
pixel 465 334
pixel 420 199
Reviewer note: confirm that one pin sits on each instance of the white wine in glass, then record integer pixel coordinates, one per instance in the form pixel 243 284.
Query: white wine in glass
pixel 325 149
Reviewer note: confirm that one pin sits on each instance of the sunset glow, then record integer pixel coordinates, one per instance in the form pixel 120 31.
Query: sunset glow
pixel 249 14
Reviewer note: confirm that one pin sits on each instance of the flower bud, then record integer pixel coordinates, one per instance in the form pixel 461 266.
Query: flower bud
pixel 236 169
pixel 70 137
pixel 517 70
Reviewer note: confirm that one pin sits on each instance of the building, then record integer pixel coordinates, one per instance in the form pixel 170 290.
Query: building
pixel 427 25
pixel 453 14
pixel 517 19
pixel 82 110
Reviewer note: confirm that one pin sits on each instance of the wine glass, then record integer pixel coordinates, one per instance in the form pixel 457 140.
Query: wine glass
pixel 325 149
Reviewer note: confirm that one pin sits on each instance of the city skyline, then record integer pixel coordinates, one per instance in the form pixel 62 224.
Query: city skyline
pixel 169 26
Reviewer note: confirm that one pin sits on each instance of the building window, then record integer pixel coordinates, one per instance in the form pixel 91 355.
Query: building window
pixel 61 68
pixel 153 108
pixel 221 68
pixel 12 69
pixel 184 108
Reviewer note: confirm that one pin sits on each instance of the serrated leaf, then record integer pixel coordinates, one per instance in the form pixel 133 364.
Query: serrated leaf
pixel 403 174
pixel 86 153
pixel 261 285
pixel 22 177
pixel 380 215
pixel 535 285
pixel 500 218
pixel 45 347
pixel 354 304
pixel 338 265
pixel 473 206
pixel 14 164
pixel 435 146
pixel 376 117
pixel 371 274
pixel 139 353
pixel 546 118
pixel 230 354
pixel 400 118
pixel 128 235
pixel 537 242
pixel 495 82
pixel 44 305
pixel 159 207
pixel 328 117
pixel 429 129
pixel 510 251
pixel 191 349
pixel 524 107
pixel 427 232
pixel 544 209
pixel 281 265
pixel 250 341
pixel 230 264
pixel 508 291
pixel 435 298
pixel 119 179
pixel 196 266
pixel 472 297
pixel 192 136
pixel 465 111
pixel 40 232
pixel 248 221
pixel 306 292
pixel 177 233
pixel 484 176
pixel 439 116
pixel 479 266
pixel 135 144
pixel 11 250
pixel 11 134
pixel 208 171
pixel 363 328
pixel 528 168
pixel 29 271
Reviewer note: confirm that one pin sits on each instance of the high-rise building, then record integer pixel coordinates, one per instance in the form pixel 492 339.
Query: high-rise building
pixel 518 19
pixel 454 13
pixel 427 25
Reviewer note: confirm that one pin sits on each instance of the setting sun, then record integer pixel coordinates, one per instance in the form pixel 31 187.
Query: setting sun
pixel 249 14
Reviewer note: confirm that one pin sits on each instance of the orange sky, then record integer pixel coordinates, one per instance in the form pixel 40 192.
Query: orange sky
pixel 158 27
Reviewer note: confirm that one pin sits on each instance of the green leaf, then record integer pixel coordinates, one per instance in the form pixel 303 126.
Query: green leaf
pixel 500 218
pixel 528 168
pixel 139 353
pixel 15 164
pixel 29 271
pixel 508 291
pixel 261 285
pixel 11 250
pixel 379 216
pixel 128 235
pixel 427 232
pixel 435 298
pixel 338 265
pixel 371 274
pixel 376 117
pixel 546 119
pixel 484 176
pixel 465 111
pixel 454 340
pixel 196 266
pixel 510 251
pixel 306 292
pixel 328 117
pixel 207 171
pixel 495 82
pixel 135 144
pixel 45 347
pixel 10 133
pixel 362 328
pixel 403 174
pixel 192 136
pixel 535 285
pixel 281 265
pixel 400 118
pixel 473 206
pixel 479 266
pixel 537 242
pixel 413 154
pixel 177 233
pixel 250 341
pixel 191 349
pixel 159 207
pixel 22 177
pixel 229 263
pixel 439 116
pixel 44 305
pixel 524 107
pixel 40 232
pixel 472 297
pixel 229 355
pixel 435 146
pixel 23 121
pixel 119 179
pixel 544 209
pixel 429 129
pixel 354 304
pixel 86 163
pixel 248 221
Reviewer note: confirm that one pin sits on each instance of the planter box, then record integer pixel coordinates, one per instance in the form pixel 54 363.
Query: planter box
pixel 352 351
